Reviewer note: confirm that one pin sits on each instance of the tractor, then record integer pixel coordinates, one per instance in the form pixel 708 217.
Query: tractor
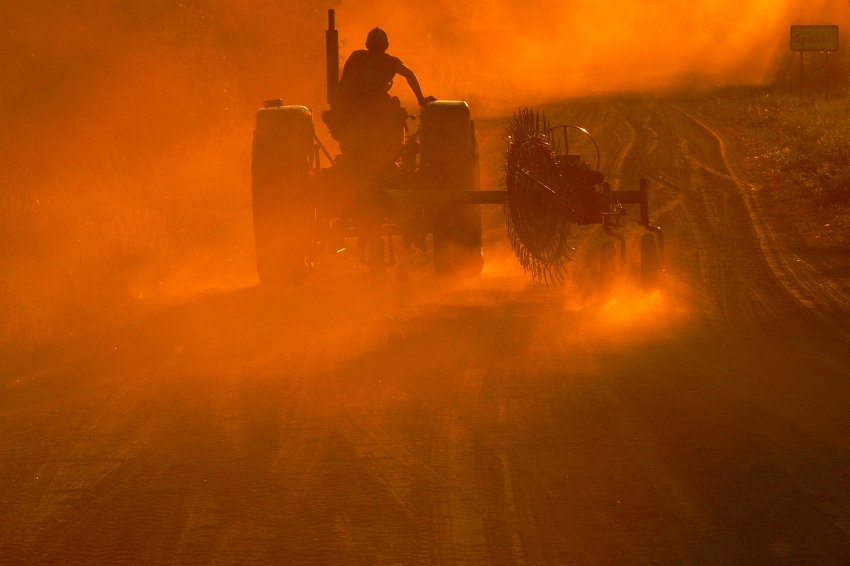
pixel 431 186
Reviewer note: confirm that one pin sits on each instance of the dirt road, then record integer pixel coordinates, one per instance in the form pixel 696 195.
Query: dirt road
pixel 502 423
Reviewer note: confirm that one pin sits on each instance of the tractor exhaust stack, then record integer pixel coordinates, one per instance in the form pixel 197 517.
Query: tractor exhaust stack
pixel 332 50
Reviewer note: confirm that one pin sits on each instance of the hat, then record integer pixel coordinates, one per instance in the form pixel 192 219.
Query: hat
pixel 377 36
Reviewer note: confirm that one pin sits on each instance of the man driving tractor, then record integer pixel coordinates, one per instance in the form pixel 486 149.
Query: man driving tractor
pixel 367 122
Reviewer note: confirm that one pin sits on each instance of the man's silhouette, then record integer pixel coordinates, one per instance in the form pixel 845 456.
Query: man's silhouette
pixel 364 118
pixel 368 74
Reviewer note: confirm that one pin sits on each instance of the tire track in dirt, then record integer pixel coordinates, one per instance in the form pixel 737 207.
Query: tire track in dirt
pixel 655 158
pixel 454 511
pixel 716 269
pixel 500 427
pixel 809 287
pixel 708 199
pixel 169 454
pixel 470 509
pixel 462 518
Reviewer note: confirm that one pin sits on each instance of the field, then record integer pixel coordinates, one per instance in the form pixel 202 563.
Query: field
pixel 158 406
pixel 501 422
pixel 797 149
pixel 77 253
pixel 806 137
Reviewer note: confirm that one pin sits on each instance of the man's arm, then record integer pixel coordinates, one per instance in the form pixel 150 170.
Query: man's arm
pixel 414 84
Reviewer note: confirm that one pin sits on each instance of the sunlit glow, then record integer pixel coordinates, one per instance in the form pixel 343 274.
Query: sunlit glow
pixel 622 309
pixel 500 52
pixel 126 127
pixel 630 308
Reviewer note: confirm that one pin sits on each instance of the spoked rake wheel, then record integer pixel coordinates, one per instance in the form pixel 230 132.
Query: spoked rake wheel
pixel 537 208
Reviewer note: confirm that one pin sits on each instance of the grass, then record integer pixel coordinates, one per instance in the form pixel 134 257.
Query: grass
pixel 805 136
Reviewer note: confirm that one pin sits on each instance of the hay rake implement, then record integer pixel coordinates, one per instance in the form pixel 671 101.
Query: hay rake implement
pixel 431 186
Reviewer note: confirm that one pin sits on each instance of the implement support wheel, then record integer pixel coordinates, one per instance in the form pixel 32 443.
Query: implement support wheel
pixel 648 261
pixel 607 267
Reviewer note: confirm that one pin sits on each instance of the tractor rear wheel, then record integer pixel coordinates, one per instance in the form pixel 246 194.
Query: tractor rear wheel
pixel 449 160
pixel 648 261
pixel 280 179
pixel 376 259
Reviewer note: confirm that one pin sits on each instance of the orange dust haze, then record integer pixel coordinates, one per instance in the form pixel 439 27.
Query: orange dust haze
pixel 503 53
pixel 125 127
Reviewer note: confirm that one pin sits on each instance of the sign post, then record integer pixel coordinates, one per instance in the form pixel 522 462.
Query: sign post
pixel 814 38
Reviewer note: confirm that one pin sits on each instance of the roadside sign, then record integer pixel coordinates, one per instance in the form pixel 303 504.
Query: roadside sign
pixel 814 38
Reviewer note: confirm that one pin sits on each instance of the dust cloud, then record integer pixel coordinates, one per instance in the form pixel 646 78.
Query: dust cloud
pixel 125 127
pixel 125 148
pixel 500 53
